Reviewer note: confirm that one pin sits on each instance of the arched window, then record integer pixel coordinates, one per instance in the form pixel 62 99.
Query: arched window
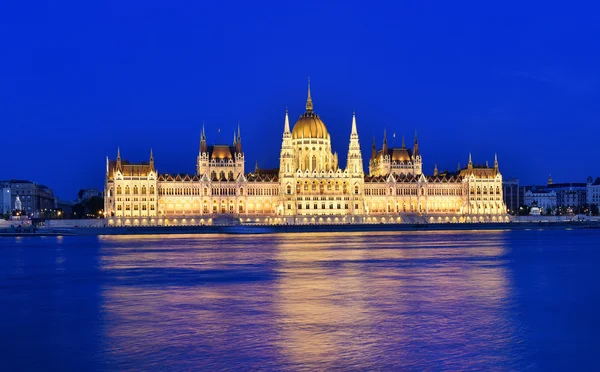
pixel 151 190
pixel 144 190
pixel 305 186
pixel 213 175
pixel 289 189
pixel 136 190
pixel 314 162
pixel 345 188
pixel 119 190
pixel 205 191
pixel 127 191
pixel 230 176
pixel 241 191
pixel 222 175
pixel 298 188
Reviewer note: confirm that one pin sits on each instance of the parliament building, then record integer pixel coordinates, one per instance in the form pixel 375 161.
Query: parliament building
pixel 309 187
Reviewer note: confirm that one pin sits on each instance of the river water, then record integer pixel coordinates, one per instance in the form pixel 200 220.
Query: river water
pixel 497 300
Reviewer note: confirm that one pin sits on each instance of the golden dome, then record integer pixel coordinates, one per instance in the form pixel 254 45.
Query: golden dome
pixel 309 126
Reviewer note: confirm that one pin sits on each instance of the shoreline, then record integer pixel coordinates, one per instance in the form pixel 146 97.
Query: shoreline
pixel 274 229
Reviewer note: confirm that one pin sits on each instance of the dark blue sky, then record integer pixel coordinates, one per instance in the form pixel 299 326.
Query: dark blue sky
pixel 78 79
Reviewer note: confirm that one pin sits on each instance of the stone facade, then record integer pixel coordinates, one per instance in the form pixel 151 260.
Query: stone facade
pixel 308 187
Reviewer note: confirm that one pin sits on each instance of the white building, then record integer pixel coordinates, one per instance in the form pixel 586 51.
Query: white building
pixel 593 191
pixel 541 198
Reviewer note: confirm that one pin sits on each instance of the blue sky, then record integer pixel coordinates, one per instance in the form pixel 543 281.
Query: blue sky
pixel 78 79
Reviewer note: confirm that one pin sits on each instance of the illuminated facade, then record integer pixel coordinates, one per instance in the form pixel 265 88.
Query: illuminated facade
pixel 309 187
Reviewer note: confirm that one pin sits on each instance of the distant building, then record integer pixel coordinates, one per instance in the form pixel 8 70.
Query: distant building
pixel 33 198
pixel 569 195
pixel 511 195
pixel 593 191
pixel 541 198
pixel 85 194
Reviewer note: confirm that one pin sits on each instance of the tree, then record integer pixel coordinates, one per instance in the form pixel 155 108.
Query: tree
pixel 548 210
pixel 523 210
pixel 89 208
pixel 594 209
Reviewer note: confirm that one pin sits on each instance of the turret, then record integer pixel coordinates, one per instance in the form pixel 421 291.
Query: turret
pixel 354 164
pixel 374 150
pixel 470 164
pixel 203 147
pixel 416 148
pixel 385 145
pixel 238 146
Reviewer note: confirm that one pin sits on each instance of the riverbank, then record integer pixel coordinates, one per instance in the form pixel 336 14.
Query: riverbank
pixel 307 228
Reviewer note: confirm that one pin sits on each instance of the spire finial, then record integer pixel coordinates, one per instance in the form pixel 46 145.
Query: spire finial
pixel 309 104
pixel 403 143
pixel 496 160
pixel 458 169
pixel 239 135
pixel 286 128
pixel 416 137
pixel 234 139
pixel 470 165
pixel 151 156
pixel 435 170
pixel 354 131
pixel 118 153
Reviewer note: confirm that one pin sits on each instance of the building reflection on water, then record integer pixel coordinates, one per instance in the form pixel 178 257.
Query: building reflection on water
pixel 321 301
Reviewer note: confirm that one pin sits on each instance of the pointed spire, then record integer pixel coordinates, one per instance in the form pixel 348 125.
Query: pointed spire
pixel 239 134
pixel 151 159
pixel 385 146
pixel 256 168
pixel 118 157
pixel 470 165
pixel 373 149
pixel 286 128
pixel 496 161
pixel 203 147
pixel 403 144
pixel 458 169
pixel 416 145
pixel 309 104
pixel 435 170
pixel 354 132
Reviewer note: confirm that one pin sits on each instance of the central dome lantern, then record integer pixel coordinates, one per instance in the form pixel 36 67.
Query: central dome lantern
pixel 309 125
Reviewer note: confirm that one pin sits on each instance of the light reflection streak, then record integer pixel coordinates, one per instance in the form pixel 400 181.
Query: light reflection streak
pixel 311 301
